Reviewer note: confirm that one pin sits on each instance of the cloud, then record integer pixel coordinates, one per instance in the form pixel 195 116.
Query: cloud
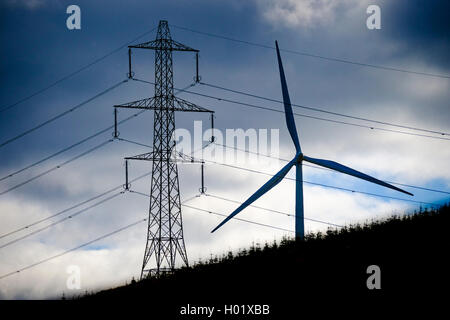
pixel 117 259
pixel 99 269
pixel 27 4
pixel 423 31
pixel 304 13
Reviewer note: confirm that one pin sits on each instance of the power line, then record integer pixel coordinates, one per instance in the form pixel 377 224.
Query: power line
pixel 208 211
pixel 110 234
pixel 73 73
pixel 68 209
pixel 303 115
pixel 65 149
pixel 79 247
pixel 61 220
pixel 346 61
pixel 326 169
pixel 307 165
pixel 73 207
pixel 325 111
pixel 69 147
pixel 82 141
pixel 73 249
pixel 56 167
pixel 62 114
pixel 318 118
pixel 308 182
pixel 321 184
pixel 72 146
pixel 134 142
pixel 274 211
pixel 222 215
pixel 58 213
pixel 239 219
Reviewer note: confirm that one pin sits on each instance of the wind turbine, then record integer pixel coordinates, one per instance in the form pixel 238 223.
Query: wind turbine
pixel 297 162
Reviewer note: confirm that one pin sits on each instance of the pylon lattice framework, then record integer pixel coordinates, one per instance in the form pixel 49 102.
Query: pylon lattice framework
pixel 165 239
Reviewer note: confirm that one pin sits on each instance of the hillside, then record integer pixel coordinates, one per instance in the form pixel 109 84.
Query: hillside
pixel 410 250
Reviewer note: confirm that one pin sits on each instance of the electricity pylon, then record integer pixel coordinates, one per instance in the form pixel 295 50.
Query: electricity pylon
pixel 165 239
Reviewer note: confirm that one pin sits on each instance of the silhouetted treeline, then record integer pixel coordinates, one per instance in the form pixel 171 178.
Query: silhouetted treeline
pixel 410 250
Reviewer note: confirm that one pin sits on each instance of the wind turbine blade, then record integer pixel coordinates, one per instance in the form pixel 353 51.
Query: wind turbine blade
pixel 266 187
pixel 341 168
pixel 290 122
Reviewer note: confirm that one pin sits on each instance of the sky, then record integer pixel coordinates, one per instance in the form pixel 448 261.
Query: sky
pixel 38 49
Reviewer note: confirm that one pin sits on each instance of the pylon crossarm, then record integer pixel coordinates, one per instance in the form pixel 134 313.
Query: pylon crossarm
pixel 153 104
pixel 187 159
pixel 163 44
pixel 183 105
pixel 146 103
pixel 178 157
pixel 152 156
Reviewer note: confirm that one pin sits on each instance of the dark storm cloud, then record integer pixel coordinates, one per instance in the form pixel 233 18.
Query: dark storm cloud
pixel 421 27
